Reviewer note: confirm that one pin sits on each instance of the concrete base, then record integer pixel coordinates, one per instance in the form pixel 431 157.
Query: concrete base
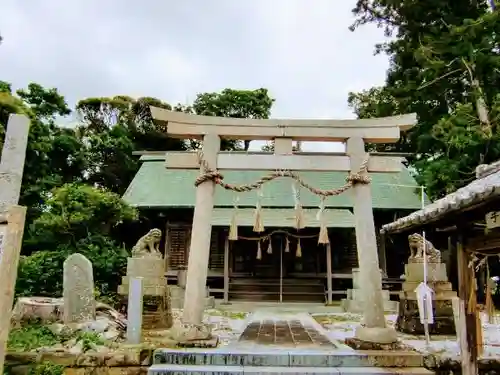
pixel 376 335
pixel 409 318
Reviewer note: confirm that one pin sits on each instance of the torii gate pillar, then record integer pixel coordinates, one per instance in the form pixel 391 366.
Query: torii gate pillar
pixel 374 328
pixel 200 238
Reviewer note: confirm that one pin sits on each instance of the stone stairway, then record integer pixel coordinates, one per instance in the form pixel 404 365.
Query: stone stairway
pixel 268 289
pixel 284 361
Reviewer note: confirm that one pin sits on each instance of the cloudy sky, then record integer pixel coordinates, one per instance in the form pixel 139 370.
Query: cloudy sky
pixel 301 50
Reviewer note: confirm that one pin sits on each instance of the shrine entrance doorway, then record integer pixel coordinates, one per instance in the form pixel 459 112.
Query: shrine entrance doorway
pixel 283 272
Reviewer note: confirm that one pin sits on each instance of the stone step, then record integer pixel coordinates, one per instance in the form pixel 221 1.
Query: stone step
pixel 254 370
pixel 287 358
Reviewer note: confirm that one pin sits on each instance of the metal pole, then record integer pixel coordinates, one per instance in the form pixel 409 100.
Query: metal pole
pixel 426 322
pixel 281 269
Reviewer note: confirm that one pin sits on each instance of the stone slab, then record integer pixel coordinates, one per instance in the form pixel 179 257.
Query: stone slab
pixel 358 307
pixel 437 286
pixel 145 267
pixel 435 272
pixel 325 357
pixel 147 281
pixel 284 332
pixel 254 370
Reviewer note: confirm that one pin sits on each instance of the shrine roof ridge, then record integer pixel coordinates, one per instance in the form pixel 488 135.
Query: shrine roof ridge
pixel 480 191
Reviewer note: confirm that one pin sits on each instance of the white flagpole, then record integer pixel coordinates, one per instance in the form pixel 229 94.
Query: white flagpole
pixel 426 313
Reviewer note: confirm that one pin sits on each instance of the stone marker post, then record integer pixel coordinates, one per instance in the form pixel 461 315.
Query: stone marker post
pixel 11 239
pixel 13 157
pixel 199 250
pixel 134 310
pixel 374 328
pixel 78 289
pixel 11 218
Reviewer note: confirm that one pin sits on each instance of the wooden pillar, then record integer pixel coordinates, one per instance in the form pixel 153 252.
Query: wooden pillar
pixel 374 327
pixel 199 250
pixel 11 239
pixel 468 348
pixel 226 270
pixel 329 273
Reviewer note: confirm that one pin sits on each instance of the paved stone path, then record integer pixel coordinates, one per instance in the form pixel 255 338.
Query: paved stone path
pixel 296 330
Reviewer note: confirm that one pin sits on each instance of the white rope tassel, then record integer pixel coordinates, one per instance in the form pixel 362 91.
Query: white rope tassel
pixel 299 212
pixel 258 225
pixel 323 231
pixel 233 229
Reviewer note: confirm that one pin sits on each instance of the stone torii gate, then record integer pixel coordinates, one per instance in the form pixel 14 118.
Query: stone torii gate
pixel 353 132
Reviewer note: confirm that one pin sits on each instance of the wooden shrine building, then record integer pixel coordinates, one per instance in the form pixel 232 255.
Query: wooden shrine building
pixel 281 273
pixel 468 220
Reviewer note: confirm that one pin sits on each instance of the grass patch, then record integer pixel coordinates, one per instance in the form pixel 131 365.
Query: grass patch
pixel 31 336
pixel 228 314
pixel 47 368
pixel 89 340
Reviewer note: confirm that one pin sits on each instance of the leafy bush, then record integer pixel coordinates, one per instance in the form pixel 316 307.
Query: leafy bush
pixel 41 274
pixel 78 219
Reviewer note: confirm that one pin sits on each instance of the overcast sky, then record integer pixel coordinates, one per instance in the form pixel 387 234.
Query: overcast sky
pixel 301 50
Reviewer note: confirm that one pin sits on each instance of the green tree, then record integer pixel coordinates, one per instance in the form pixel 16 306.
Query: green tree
pixel 114 127
pixel 443 66
pixel 255 104
pixel 78 218
pixel 54 155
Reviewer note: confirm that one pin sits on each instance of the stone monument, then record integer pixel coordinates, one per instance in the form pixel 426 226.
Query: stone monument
pixel 78 289
pixel 147 263
pixel 354 303
pixel 408 320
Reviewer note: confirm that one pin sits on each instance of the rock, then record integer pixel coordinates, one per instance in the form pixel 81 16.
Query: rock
pixel 77 348
pixel 111 335
pixel 37 308
pixel 57 328
pixel 190 332
pixel 99 325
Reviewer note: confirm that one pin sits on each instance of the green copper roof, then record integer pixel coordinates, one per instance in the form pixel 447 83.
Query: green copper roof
pixel 154 186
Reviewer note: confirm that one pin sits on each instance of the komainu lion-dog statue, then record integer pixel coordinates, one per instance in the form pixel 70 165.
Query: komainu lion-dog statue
pixel 417 246
pixel 149 244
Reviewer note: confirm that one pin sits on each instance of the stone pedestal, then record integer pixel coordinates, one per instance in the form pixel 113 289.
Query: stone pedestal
pixel 157 302
pixel 354 303
pixel 408 316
